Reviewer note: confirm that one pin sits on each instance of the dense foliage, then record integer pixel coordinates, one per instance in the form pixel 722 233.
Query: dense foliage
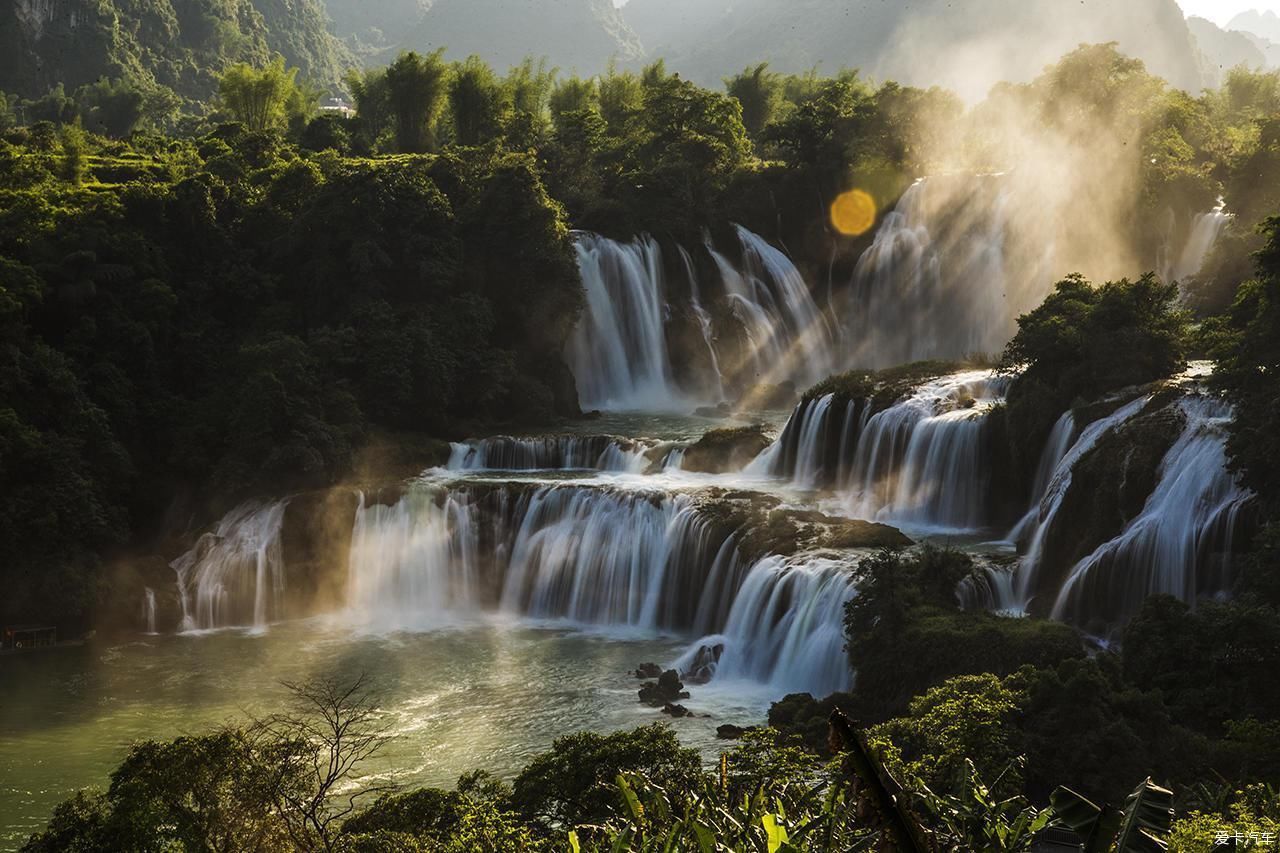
pixel 943 779
pixel 232 313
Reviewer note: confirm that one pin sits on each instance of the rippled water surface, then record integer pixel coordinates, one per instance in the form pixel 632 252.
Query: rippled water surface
pixel 481 696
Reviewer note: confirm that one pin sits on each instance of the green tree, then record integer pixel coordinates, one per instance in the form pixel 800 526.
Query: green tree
pixel 259 98
pixel 759 91
pixel 373 104
pixel 417 90
pixel 572 95
pixel 476 102
pixel 111 107
pixel 575 782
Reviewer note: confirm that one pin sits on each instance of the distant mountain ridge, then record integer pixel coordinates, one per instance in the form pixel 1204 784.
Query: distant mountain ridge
pixel 1223 50
pixel 966 46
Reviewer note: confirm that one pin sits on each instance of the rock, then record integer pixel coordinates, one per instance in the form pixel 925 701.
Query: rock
pixel 649 670
pixel 703 668
pixel 666 690
pixel 676 710
pixel 731 732
pixel 722 450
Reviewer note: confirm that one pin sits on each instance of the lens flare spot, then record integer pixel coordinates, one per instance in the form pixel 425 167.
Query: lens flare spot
pixel 853 213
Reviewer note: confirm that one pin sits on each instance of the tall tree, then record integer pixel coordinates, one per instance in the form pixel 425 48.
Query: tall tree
pixel 759 90
pixel 475 102
pixel 416 87
pixel 258 97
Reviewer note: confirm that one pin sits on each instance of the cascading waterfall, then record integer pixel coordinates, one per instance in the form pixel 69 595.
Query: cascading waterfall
pixel 1206 229
pixel 618 353
pixel 550 453
pixel 235 575
pixel 704 324
pixel 1054 450
pixel 785 629
pixel 633 560
pixel 933 284
pixel 922 461
pixel 1181 542
pixel 789 337
pixel 588 555
pixel 1038 527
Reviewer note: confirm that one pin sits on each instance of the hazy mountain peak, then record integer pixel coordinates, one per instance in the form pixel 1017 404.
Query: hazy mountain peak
pixel 1264 24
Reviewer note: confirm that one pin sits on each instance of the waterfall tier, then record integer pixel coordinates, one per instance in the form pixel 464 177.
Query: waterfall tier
pixel 597 556
pixel 654 337
pixel 1181 544
pixel 922 461
pixel 550 453
pixel 235 575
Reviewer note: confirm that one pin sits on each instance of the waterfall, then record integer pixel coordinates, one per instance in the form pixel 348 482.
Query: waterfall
pixel 149 609
pixel 785 629
pixel 788 336
pixel 1038 528
pixel 921 461
pixel 1054 450
pixel 596 556
pixel 933 284
pixel 618 352
pixel 1181 542
pixel 621 354
pixel 704 324
pixel 1205 231
pixel 801 453
pixel 549 453
pixel 235 575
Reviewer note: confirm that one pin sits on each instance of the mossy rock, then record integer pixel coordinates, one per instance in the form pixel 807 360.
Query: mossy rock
pixel 882 387
pixel 729 449
pixel 765 528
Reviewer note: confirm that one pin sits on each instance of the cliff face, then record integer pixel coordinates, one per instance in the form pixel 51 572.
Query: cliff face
pixel 182 44
pixel 1221 50
pixel 966 46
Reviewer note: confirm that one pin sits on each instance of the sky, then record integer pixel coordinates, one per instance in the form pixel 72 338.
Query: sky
pixel 1218 11
pixel 1221 11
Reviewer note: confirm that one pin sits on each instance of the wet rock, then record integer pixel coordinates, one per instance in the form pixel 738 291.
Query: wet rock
pixel 666 690
pixel 703 667
pixel 722 450
pixel 676 710
pixel 731 732
pixel 649 670
pixel 723 410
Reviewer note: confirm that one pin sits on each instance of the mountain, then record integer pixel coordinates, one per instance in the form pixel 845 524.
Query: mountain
pixel 375 24
pixel 1262 24
pixel 181 44
pixel 1270 49
pixel 1223 50
pixel 966 46
pixel 580 35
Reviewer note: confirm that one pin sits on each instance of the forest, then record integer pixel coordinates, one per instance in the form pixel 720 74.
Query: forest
pixel 219 292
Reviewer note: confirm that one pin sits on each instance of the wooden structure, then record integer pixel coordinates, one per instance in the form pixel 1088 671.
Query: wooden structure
pixel 22 637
